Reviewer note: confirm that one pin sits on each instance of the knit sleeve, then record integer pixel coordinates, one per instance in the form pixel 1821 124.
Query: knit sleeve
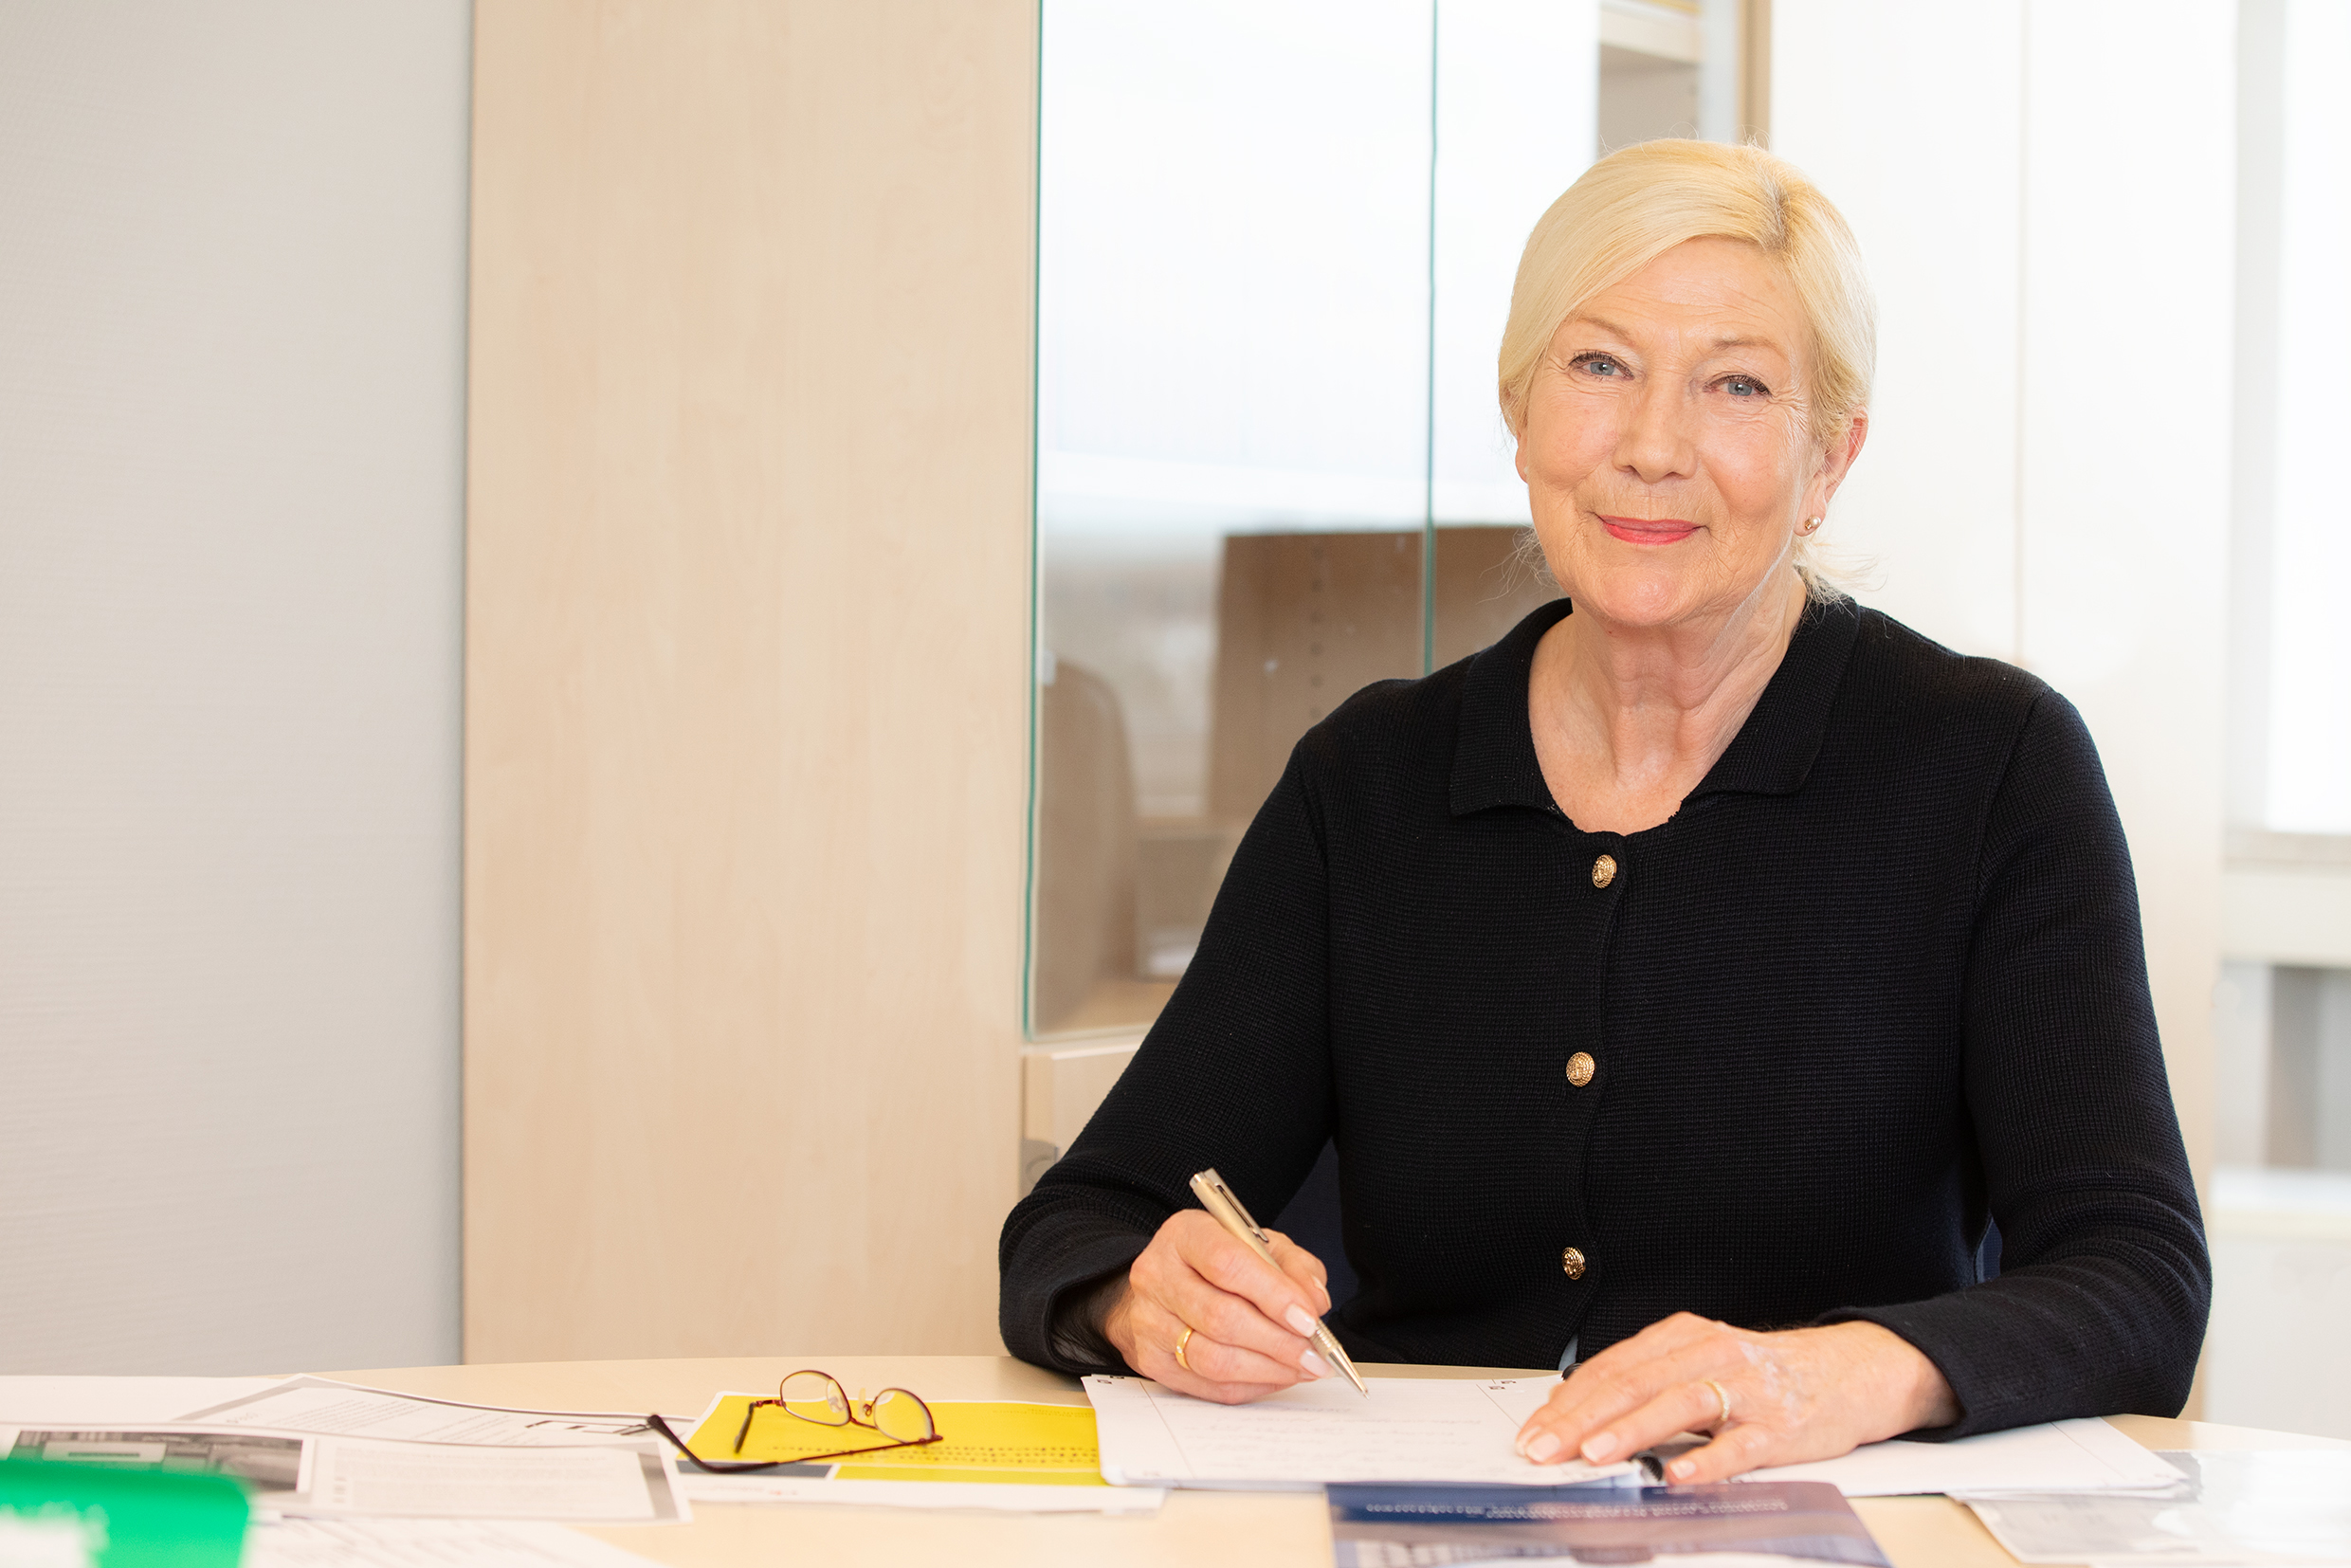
pixel 1234 1074
pixel 2104 1284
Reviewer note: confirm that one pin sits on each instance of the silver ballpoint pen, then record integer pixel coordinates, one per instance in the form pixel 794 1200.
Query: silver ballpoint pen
pixel 1218 1199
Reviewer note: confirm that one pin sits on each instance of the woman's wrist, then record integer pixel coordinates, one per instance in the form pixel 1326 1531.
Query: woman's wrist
pixel 1077 1333
pixel 1106 1308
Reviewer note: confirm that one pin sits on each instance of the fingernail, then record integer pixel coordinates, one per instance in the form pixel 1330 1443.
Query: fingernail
pixel 1324 1292
pixel 1299 1319
pixel 1682 1469
pixel 1313 1364
pixel 1543 1447
pixel 1599 1446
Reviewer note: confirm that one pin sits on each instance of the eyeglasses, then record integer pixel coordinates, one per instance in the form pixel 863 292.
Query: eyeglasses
pixel 817 1397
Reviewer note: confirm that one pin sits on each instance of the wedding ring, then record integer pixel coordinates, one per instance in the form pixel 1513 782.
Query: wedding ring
pixel 1185 1339
pixel 1720 1421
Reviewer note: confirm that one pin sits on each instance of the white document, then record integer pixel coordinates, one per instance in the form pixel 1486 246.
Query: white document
pixel 2061 1456
pixel 1407 1429
pixel 273 1465
pixel 613 1485
pixel 29 1401
pixel 2279 1506
pixel 305 1473
pixel 1009 1497
pixel 2106 1526
pixel 322 1405
pixel 426 1543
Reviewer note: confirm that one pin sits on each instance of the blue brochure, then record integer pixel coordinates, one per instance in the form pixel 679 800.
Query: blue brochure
pixel 1427 1525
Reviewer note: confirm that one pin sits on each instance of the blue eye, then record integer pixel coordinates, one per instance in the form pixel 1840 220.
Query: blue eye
pixel 1599 364
pixel 1747 386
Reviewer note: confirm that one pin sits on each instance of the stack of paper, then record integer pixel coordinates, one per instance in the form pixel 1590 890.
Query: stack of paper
pixel 311 1447
pixel 2225 1507
pixel 323 1405
pixel 318 1449
pixel 343 1475
pixel 2059 1456
pixel 1407 1429
pixel 1460 1430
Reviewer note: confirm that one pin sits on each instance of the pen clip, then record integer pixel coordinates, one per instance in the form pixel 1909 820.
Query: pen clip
pixel 1207 1183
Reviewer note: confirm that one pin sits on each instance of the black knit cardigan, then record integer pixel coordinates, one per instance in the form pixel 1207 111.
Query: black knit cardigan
pixel 1880 976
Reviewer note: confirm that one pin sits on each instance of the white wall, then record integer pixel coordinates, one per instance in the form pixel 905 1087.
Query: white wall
pixel 1517 87
pixel 2130 247
pixel 231 410
pixel 2044 193
pixel 1909 118
pixel 2308 696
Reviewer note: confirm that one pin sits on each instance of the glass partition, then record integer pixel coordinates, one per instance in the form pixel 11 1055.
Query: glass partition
pixel 1275 250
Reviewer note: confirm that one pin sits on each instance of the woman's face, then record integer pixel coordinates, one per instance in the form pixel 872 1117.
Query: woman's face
pixel 1670 451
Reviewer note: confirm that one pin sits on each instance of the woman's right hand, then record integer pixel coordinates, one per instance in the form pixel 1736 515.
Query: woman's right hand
pixel 1248 1321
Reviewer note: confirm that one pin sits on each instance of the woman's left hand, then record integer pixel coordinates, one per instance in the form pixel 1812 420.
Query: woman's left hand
pixel 1804 1394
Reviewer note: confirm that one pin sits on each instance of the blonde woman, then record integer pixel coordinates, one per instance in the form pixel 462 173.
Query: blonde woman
pixel 1686 980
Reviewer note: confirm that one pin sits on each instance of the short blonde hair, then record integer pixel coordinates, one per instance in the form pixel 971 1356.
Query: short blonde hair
pixel 1638 202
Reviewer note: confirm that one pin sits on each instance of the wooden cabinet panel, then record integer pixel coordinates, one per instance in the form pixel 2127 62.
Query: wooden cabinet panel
pixel 747 672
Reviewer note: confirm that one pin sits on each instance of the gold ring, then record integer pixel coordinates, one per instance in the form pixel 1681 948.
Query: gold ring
pixel 1724 1419
pixel 1185 1339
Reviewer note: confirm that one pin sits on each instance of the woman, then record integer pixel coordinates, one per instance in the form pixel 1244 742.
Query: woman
pixel 1687 979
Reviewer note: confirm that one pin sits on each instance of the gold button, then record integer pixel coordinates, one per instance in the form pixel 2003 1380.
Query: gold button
pixel 1573 1260
pixel 1579 1069
pixel 1604 870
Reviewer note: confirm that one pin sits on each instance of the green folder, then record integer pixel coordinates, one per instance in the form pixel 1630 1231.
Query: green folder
pixel 66 1515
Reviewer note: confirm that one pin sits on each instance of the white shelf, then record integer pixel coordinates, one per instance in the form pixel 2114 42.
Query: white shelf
pixel 1644 26
pixel 2280 914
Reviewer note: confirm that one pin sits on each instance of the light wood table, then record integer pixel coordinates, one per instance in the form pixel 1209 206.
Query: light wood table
pixel 1221 1529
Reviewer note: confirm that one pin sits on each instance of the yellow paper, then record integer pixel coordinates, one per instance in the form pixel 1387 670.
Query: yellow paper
pixel 1026 1445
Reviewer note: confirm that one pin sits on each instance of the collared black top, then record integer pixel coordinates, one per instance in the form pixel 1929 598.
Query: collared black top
pixel 1880 975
